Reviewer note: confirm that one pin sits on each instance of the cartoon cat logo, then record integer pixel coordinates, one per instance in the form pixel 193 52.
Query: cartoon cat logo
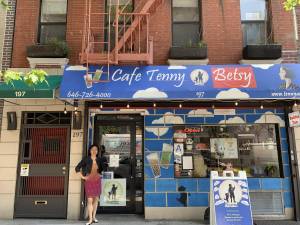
pixel 199 77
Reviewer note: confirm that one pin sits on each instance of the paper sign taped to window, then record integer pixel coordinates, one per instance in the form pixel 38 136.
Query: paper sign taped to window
pixel 24 170
pixel 114 160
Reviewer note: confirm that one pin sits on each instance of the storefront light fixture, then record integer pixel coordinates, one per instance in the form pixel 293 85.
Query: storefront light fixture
pixel 261 106
pixel 213 107
pixel 154 104
pixel 180 105
pixel 75 105
pixel 236 103
pixel 295 104
pixel 101 106
pixel 65 109
pixel 128 106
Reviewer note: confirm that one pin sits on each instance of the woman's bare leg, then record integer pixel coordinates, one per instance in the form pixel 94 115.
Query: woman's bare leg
pixel 95 206
pixel 90 209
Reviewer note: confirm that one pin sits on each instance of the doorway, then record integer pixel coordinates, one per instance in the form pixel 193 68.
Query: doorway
pixel 43 166
pixel 122 136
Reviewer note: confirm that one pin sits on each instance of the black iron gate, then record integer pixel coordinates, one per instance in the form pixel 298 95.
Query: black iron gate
pixel 43 171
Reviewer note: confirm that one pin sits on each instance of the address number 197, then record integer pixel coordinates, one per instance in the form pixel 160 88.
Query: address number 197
pixel 20 93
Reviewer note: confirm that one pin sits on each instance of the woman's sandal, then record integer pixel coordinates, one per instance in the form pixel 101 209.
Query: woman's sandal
pixel 89 223
pixel 95 220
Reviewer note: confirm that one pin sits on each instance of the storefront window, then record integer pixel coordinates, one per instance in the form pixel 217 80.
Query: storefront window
pixel 201 149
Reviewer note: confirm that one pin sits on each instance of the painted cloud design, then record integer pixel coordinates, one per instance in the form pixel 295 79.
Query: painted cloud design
pixel 177 67
pixel 200 113
pixel 270 117
pixel 233 93
pixel 262 66
pixel 76 68
pixel 233 120
pixel 169 118
pixel 158 131
pixel 150 93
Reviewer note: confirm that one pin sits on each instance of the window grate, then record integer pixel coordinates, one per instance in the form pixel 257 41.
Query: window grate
pixel 267 203
pixel 50 118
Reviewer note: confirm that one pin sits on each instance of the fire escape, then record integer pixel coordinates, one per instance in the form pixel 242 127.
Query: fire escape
pixel 117 35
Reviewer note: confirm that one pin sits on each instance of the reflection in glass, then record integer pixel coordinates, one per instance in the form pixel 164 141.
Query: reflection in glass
pixel 253 148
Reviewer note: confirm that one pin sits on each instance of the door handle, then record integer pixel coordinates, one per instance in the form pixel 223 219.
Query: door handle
pixel 64 168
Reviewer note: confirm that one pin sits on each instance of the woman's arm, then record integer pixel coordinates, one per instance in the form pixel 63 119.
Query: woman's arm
pixel 79 167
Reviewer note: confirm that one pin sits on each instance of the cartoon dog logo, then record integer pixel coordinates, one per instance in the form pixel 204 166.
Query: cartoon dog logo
pixel 199 77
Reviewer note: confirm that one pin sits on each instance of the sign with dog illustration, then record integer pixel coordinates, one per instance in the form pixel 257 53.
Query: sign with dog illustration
pixel 113 192
pixel 230 200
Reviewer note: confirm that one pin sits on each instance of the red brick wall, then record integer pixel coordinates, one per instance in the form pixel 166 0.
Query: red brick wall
pixel 221 30
pixel 283 26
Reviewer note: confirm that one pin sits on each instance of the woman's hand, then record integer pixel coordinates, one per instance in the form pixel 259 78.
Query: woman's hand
pixel 84 177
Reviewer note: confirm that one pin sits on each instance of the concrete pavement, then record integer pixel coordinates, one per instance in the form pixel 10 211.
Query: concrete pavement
pixel 124 220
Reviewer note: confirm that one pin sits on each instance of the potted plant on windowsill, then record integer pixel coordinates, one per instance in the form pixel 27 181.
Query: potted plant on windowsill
pixel 189 52
pixel 54 48
pixel 262 51
pixel 271 171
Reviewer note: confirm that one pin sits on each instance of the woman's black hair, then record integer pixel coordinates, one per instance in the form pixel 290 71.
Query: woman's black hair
pixel 90 148
pixel 289 74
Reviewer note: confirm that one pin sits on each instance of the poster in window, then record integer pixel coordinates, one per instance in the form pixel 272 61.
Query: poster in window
pixel 225 148
pixel 187 162
pixel 113 192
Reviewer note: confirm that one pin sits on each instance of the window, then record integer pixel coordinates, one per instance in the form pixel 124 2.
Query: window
pixel 185 22
pixel 253 148
pixel 53 20
pixel 127 6
pixel 254 17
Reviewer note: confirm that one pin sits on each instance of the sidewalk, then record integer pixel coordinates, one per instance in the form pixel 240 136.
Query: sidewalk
pixel 103 220
pixel 124 220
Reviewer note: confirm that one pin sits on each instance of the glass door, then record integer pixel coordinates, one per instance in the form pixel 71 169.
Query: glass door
pixel 122 141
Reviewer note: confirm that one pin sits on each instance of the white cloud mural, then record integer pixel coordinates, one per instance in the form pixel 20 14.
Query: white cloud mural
pixel 233 93
pixel 76 68
pixel 262 66
pixel 169 118
pixel 233 120
pixel 200 113
pixel 150 93
pixel 270 117
pixel 177 67
pixel 158 131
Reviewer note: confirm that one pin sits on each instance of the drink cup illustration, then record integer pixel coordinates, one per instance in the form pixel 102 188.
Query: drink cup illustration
pixel 153 159
pixel 166 155
pixel 88 80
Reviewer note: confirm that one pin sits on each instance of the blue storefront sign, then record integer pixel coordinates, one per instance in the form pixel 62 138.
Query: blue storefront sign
pixel 183 82
pixel 231 200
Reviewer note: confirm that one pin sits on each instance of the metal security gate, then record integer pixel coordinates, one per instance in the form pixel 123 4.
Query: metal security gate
pixel 43 170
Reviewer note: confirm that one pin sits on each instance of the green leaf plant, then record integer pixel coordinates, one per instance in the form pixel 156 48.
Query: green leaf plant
pixel 290 4
pixel 31 78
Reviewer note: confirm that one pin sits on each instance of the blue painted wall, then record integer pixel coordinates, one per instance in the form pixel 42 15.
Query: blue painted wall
pixel 163 191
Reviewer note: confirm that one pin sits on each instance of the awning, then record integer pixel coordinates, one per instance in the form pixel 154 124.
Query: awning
pixel 22 90
pixel 280 81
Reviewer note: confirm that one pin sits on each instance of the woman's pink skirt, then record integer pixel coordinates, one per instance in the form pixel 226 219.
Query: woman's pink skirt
pixel 92 187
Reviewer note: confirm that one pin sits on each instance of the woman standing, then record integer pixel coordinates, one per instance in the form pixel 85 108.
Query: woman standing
pixel 90 169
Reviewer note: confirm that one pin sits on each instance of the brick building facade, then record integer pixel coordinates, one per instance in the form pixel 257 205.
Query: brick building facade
pixel 221 25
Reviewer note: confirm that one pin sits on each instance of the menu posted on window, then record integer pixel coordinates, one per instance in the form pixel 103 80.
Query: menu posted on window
pixel 230 202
